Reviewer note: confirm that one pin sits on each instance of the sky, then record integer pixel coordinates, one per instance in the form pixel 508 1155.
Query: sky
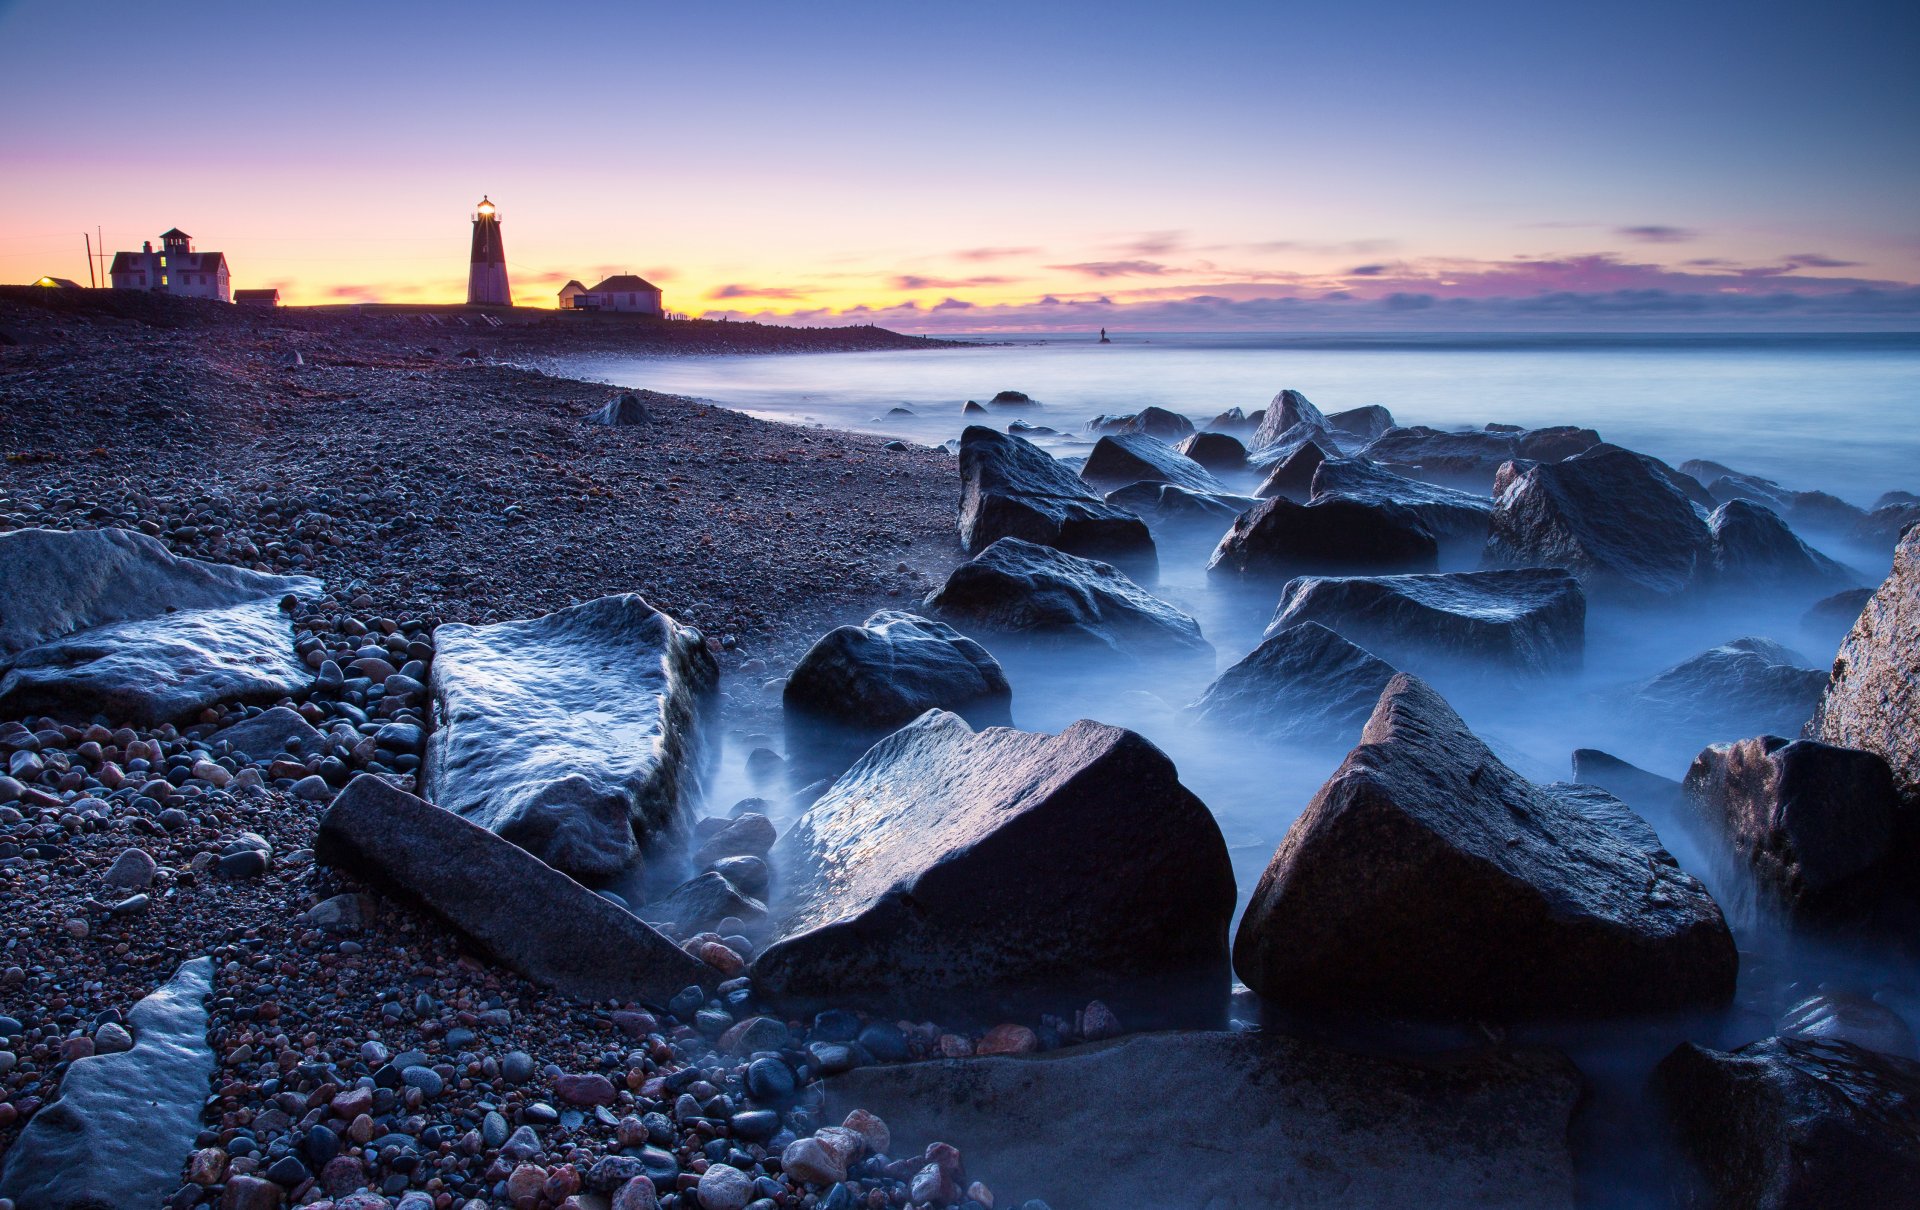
pixel 1000 167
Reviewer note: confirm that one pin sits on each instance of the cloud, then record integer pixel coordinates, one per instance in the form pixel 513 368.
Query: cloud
pixel 913 281
pixel 1155 243
pixel 1115 268
pixel 1816 260
pixel 1656 234
pixel 1368 270
pixel 737 290
pixel 978 254
pixel 1352 247
pixel 953 304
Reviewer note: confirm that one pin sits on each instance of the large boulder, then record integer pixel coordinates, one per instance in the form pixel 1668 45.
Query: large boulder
pixel 522 912
pixel 1150 422
pixel 951 867
pixel 1332 534
pixel 1166 506
pixel 1742 687
pixel 1136 458
pixel 1752 546
pixel 111 622
pixel 1793 1124
pixel 1305 682
pixel 1454 518
pixel 1292 476
pixel 1821 826
pixel 1525 620
pixel 1466 459
pixel 1428 878
pixel 1218 452
pixel 1886 525
pixel 1610 519
pixel 1289 1123
pixel 1290 420
pixel 1872 699
pixel 1054 598
pixel 1235 421
pixel 1640 789
pixel 572 735
pixel 894 668
pixel 1366 423
pixel 125 1121
pixel 1010 488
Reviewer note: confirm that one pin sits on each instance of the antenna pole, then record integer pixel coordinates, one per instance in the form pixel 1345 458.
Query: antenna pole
pixel 90 279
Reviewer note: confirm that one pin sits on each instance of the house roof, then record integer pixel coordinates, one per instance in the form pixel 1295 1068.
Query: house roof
pixel 195 262
pixel 176 233
pixel 624 281
pixel 62 282
pixel 261 294
pixel 572 284
pixel 125 262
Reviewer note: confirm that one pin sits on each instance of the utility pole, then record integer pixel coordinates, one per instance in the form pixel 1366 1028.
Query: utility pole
pixel 91 283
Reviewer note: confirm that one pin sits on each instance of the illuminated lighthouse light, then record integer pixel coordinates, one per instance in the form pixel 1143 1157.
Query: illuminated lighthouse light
pixel 487 269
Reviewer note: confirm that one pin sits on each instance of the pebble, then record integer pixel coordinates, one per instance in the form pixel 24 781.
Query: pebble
pixel 133 870
pixel 112 1039
pixel 724 1187
pixel 517 1067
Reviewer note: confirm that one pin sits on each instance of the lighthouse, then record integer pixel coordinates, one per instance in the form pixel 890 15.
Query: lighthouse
pixel 487 275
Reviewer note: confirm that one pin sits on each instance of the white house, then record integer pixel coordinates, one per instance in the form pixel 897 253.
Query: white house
pixel 175 269
pixel 621 292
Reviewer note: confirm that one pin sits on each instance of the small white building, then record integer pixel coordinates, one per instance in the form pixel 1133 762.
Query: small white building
pixel 621 292
pixel 175 269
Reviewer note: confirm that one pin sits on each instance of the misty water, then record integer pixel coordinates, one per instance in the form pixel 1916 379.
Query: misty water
pixel 1832 414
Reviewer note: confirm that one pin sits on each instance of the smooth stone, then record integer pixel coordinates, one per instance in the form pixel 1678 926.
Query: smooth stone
pixel 133 870
pixel 269 733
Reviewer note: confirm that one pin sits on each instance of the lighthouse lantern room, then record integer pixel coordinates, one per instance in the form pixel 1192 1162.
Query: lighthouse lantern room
pixel 487 274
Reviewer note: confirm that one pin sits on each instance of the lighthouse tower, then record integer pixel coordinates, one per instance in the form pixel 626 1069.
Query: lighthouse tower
pixel 487 275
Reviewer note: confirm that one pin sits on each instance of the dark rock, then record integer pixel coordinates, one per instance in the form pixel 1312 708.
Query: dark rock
pixel 1218 452
pixel 702 902
pixel 1296 1123
pixel 1554 444
pixel 1838 1016
pixel 1290 420
pixel 1743 687
pixel 1365 423
pixel 893 669
pixel 1753 546
pixel 1887 498
pixel 1473 891
pixel 270 733
pixel 747 834
pixel 1052 597
pixel 1165 506
pixel 1150 422
pixel 1886 525
pixel 111 622
pixel 1609 519
pixel 1305 682
pixel 1818 824
pixel 1292 477
pixel 1836 614
pixel 1872 699
pixel 1467 460
pixel 1134 458
pixel 1787 1124
pixel 1234 421
pixel 1639 789
pixel 1012 488
pixel 124 1124
pixel 622 410
pixel 571 735
pixel 1333 534
pixel 1454 518
pixel 1527 620
pixel 1013 399
pixel 527 915
pixel 989 868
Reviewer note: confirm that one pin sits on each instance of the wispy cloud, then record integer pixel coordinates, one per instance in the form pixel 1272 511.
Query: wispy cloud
pixel 1115 268
pixel 1654 233
pixel 738 290
pixel 980 254
pixel 1154 243
pixel 913 281
pixel 1368 270
pixel 1816 260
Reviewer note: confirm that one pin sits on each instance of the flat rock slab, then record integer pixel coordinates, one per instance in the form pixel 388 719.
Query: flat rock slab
pixel 573 734
pixel 1427 878
pixel 1872 700
pixel 1306 682
pixel 522 912
pixel 121 1130
pixel 1237 1122
pixel 1011 488
pixel 1525 620
pixel 985 870
pixel 112 622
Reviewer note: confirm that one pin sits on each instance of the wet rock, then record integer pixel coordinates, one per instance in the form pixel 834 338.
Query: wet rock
pixel 1841 1017
pixel 1365 423
pixel 270 733
pixel 940 870
pixel 1617 525
pixel 1454 518
pixel 527 915
pixel 1332 534
pixel 1292 477
pixel 1307 1124
pixel 1235 421
pixel 125 1122
pixel 623 410
pixel 1290 421
pixel 1788 1123
pixel 1753 546
pixel 1872 700
pixel 1154 422
pixel 893 669
pixel 703 901
pixel 1526 620
pixel 1818 824
pixel 1011 488
pixel 133 870
pixel 1836 614
pixel 1473 891
pixel 1165 506
pixel 1052 597
pixel 1217 452
pixel 1639 789
pixel 1885 525
pixel 1467 460
pixel 1743 687
pixel 572 734
pixel 1136 458
pixel 745 834
pixel 1305 682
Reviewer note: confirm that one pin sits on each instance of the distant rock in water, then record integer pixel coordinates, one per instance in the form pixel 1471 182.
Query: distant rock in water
pixel 1135 458
pixel 1835 615
pixel 111 622
pixel 1235 421
pixel 1306 682
pixel 1165 506
pixel 1010 488
pixel 1814 510
pixel 1053 597
pixel 1427 878
pixel 1529 620
pixel 971 409
pixel 1792 1124
pixel 1153 422
pixel 1333 534
pixel 572 734
pixel 894 668
pixel 1639 789
pixel 998 868
pixel 1872 699
pixel 1886 524
pixel 1013 399
pixel 1753 546
pixel 1743 687
pixel 1819 825
pixel 1610 519
pixel 1365 423
pixel 623 410
pixel 1292 477
pixel 1218 452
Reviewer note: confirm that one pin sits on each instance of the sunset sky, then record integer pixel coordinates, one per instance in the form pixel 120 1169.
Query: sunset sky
pixel 1000 166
